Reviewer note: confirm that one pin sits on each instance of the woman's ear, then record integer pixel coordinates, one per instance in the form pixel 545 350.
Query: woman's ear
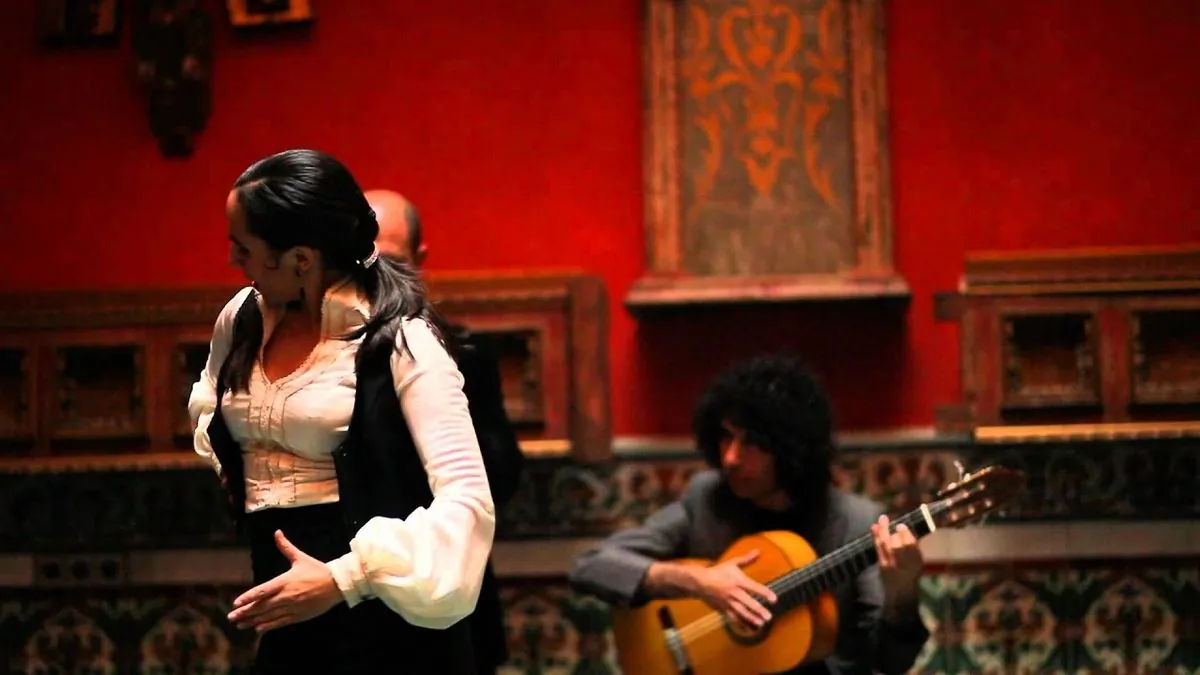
pixel 303 259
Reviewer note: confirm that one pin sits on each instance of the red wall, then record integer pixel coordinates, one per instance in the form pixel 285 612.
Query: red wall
pixel 1015 124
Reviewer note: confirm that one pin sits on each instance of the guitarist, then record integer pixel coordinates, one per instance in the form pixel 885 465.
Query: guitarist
pixel 764 426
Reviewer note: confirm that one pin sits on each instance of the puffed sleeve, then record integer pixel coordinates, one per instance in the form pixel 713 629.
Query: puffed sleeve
pixel 429 566
pixel 203 401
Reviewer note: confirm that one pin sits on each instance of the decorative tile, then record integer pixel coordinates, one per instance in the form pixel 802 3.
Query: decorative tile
pixel 1135 481
pixel 112 510
pixel 554 632
pixel 899 479
pixel 69 641
pixel 1052 619
pixel 1148 480
pixel 148 630
pixel 566 499
pixel 1115 618
pixel 1119 618
pixel 183 508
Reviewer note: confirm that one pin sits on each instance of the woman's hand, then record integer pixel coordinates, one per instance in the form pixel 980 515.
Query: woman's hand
pixel 304 592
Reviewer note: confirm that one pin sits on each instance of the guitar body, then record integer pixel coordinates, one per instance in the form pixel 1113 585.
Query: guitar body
pixel 718 647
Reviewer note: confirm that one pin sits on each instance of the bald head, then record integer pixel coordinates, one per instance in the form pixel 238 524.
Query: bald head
pixel 399 227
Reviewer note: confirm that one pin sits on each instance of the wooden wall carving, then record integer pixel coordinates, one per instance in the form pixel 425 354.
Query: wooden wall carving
pixel 1088 338
pixel 766 161
pixel 104 373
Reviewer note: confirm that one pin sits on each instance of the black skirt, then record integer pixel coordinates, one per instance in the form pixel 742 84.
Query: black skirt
pixel 370 638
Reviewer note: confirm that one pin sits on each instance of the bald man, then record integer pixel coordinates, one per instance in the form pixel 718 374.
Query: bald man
pixel 400 239
pixel 399 227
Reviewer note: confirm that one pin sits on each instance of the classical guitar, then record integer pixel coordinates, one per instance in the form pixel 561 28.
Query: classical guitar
pixel 687 637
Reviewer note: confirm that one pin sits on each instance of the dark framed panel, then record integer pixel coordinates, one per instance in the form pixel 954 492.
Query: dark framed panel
pixel 766 161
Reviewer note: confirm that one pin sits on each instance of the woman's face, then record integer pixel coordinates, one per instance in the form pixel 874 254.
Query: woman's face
pixel 273 276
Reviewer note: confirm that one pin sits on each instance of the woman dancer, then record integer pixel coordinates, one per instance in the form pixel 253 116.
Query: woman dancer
pixel 335 417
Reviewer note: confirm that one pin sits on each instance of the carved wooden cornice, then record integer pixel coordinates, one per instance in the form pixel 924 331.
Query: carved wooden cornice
pixel 1084 270
pixel 199 305
pixel 105 309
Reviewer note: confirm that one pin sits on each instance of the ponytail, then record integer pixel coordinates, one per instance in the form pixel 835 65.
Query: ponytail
pixel 396 292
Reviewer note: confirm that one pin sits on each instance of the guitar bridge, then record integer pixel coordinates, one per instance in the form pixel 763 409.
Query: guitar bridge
pixel 674 642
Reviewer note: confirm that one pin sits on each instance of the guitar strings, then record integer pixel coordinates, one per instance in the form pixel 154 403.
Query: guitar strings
pixel 792 580
pixel 715 620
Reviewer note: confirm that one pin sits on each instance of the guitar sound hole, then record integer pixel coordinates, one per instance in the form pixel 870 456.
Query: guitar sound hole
pixel 744 634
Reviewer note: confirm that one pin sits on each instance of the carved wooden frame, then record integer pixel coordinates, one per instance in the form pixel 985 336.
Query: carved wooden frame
pixel 996 393
pixel 873 275
pixel 24 426
pixel 1136 310
pixel 161 321
pixel 585 302
pixel 125 338
pixel 1111 285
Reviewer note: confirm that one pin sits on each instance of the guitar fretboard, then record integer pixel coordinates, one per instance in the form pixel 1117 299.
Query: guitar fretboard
pixel 800 586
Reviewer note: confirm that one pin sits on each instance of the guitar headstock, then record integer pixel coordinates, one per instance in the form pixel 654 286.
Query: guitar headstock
pixel 976 495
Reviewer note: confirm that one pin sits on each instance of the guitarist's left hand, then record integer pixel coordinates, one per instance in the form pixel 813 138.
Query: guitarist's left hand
pixel 900 567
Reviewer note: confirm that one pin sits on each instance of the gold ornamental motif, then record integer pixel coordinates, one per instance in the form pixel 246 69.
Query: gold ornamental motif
pixel 758 73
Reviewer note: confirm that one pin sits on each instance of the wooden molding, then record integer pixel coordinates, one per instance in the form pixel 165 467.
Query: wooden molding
pixel 658 293
pixel 106 309
pixel 1083 271
pixel 848 62
pixel 1059 433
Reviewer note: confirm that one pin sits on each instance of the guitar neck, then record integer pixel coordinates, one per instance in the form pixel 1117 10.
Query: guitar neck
pixel 800 586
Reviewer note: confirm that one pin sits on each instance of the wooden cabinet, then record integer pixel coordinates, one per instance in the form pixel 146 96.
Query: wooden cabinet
pixel 92 373
pixel 1088 337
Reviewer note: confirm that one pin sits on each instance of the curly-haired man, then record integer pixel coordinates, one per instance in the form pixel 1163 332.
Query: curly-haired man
pixel 764 427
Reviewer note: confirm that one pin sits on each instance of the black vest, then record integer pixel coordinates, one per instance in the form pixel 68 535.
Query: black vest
pixel 379 473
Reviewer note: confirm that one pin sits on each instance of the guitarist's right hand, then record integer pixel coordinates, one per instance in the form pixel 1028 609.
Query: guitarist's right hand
pixel 727 589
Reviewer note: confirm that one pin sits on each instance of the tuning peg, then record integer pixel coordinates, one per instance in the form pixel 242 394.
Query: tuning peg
pixel 962 472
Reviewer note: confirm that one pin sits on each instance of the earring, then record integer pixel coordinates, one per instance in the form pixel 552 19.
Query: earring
pixel 300 275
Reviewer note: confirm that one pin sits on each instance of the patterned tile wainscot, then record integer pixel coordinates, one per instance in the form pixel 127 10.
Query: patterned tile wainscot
pixel 180 507
pixel 1054 618
pixel 119 568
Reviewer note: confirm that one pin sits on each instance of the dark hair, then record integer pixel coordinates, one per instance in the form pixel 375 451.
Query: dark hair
pixel 307 198
pixel 784 411
pixel 413 220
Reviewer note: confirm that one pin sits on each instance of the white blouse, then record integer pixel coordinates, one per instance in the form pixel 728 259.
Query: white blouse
pixel 427 567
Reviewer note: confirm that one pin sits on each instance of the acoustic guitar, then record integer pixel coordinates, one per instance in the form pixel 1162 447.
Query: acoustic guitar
pixel 685 636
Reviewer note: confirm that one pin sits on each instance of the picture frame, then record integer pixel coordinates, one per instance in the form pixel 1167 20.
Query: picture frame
pixel 253 14
pixel 765 182
pixel 79 23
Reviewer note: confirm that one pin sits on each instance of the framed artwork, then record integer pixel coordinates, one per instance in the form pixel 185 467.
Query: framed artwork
pixel 766 154
pixel 267 13
pixel 79 23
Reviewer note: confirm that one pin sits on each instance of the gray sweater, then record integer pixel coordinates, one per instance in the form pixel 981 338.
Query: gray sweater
pixel 708 518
